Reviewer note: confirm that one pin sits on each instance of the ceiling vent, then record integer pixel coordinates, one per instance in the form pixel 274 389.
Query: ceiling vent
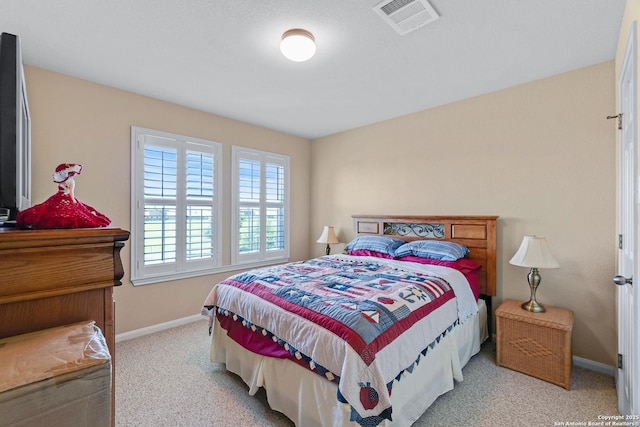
pixel 406 15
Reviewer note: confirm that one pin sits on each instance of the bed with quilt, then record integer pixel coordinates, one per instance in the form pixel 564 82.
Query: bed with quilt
pixel 369 337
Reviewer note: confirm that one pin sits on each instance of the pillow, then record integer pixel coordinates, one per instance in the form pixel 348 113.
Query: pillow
pixel 434 249
pixel 381 244
pixel 463 264
pixel 365 252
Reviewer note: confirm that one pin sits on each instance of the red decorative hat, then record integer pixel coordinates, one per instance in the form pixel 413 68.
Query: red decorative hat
pixel 64 171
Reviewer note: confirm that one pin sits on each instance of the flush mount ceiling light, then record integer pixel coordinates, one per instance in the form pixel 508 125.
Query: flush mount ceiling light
pixel 298 45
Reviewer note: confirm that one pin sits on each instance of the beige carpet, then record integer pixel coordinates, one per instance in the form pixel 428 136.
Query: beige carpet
pixel 166 379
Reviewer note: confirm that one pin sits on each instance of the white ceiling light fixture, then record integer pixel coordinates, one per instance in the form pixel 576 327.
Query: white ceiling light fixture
pixel 298 45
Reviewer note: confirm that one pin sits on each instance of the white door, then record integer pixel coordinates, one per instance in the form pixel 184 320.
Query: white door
pixel 627 295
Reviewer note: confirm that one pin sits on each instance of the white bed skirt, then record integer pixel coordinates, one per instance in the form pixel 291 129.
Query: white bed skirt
pixel 310 400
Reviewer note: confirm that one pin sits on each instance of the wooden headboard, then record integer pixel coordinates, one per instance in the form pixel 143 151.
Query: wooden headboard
pixel 478 233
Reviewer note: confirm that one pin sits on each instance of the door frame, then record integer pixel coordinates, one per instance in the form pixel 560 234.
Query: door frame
pixel 628 316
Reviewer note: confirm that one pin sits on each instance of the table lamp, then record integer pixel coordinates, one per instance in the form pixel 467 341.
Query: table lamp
pixel 534 253
pixel 328 236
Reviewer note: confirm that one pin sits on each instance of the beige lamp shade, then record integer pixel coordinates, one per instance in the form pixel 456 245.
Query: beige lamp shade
pixel 328 236
pixel 534 252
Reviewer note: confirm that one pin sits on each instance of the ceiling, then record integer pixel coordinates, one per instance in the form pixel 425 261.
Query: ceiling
pixel 223 57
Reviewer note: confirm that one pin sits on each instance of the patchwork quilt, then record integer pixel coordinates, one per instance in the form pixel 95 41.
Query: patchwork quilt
pixel 362 322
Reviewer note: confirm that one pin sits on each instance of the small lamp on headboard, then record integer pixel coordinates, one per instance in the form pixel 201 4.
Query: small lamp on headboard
pixel 534 253
pixel 328 236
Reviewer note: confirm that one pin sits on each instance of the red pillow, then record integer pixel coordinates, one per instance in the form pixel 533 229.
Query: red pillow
pixel 466 266
pixel 462 264
pixel 365 252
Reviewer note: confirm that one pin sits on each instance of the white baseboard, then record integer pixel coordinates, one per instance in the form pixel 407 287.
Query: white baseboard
pixel 157 328
pixel 577 361
pixel 594 366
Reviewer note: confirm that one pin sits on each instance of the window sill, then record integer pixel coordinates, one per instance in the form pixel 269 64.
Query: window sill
pixel 161 278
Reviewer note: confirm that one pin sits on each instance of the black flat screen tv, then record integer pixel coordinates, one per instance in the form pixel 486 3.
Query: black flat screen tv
pixel 15 129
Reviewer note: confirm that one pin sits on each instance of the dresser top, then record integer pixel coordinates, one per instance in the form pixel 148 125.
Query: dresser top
pixel 555 317
pixel 12 238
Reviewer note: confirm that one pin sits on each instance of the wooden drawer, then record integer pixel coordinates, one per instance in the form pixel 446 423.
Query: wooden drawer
pixel 84 266
pixel 45 263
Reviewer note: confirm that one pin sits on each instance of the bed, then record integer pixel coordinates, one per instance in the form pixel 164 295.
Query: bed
pixel 370 337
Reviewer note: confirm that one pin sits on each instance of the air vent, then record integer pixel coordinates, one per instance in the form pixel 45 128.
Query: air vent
pixel 406 15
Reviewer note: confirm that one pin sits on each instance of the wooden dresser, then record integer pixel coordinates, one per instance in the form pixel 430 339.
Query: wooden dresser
pixel 56 277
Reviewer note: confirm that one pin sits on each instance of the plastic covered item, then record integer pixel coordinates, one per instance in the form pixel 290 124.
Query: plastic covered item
pixel 56 377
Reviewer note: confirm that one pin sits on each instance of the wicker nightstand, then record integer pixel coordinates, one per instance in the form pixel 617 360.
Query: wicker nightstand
pixel 537 344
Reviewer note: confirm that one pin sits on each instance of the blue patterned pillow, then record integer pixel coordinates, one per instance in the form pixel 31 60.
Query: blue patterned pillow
pixel 382 244
pixel 433 249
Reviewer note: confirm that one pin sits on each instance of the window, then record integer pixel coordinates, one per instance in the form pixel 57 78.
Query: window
pixel 260 213
pixel 175 206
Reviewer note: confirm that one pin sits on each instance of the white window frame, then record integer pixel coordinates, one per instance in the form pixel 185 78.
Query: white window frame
pixel 181 268
pixel 263 257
